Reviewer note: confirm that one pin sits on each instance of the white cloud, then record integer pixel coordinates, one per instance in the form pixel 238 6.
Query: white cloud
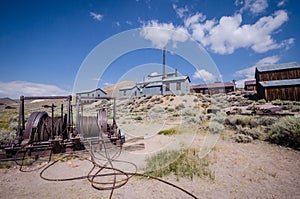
pixel 228 34
pixel 107 84
pixel 162 33
pixel 198 17
pixel 238 2
pixel 255 6
pixel 180 11
pixel 204 75
pixel 15 89
pixel 281 3
pixel 96 16
pixel 129 22
pixel 268 60
pixel 249 73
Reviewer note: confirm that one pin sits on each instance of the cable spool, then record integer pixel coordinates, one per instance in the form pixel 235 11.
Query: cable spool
pixel 102 121
pixel 33 126
pixel 89 127
pixel 39 127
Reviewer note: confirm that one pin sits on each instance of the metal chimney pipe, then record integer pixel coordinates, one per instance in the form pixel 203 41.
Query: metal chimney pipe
pixel 164 63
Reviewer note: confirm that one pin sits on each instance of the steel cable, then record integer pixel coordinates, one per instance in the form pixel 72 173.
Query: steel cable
pixel 101 170
pixel 91 177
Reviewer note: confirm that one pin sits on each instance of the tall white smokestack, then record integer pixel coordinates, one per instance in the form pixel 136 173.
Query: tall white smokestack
pixel 164 63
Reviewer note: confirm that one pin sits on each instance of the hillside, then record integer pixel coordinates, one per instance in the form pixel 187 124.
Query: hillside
pixel 113 90
pixel 6 101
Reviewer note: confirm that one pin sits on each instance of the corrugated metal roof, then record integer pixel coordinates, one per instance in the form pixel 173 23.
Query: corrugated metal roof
pixel 176 78
pixel 213 85
pixel 250 82
pixel 166 79
pixel 284 82
pixel 274 67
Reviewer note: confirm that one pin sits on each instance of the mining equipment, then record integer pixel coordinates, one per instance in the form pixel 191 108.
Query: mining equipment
pixel 44 131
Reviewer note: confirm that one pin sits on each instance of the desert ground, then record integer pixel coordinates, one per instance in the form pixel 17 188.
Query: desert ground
pixel 251 169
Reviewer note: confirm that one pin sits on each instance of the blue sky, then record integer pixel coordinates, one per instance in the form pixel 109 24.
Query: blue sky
pixel 43 44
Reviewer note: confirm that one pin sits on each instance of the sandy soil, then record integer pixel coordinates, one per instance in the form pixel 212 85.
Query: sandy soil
pixel 252 170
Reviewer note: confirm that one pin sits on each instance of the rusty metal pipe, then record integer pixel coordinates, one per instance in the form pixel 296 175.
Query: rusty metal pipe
pixel 47 97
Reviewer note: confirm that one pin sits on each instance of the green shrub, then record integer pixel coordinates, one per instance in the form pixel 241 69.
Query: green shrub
pixel 277 102
pixel 158 110
pixel 6 165
pixel 244 120
pixel 219 117
pixel 170 109
pixel 215 127
pixel 267 121
pixel 138 118
pixel 148 97
pixel 286 132
pixel 193 120
pixel 7 136
pixel 287 103
pixel 287 107
pixel 262 101
pixel 254 132
pixel 241 138
pixel 295 108
pixel 180 106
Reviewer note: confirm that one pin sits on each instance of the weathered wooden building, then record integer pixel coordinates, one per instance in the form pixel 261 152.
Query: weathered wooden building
pixel 91 94
pixel 287 89
pixel 214 88
pixel 130 91
pixel 250 85
pixel 159 84
pixel 278 81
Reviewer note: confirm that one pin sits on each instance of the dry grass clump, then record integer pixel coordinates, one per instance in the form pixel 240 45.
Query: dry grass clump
pixel 170 131
pixel 8 127
pixel 181 163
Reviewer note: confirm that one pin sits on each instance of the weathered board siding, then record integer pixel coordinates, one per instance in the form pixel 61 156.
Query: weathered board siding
pixel 282 93
pixel 277 75
pixel 250 87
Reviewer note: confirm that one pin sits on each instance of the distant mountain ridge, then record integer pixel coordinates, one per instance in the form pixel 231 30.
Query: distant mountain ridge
pixel 6 100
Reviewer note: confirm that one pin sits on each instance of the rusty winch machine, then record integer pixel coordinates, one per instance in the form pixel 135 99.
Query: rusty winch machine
pixel 58 132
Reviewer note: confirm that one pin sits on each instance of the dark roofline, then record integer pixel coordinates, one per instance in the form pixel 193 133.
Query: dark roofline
pixel 279 83
pixel 213 85
pixel 85 92
pixel 250 82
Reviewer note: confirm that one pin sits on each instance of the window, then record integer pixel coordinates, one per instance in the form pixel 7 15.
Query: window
pixel 124 93
pixel 167 86
pixel 178 85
